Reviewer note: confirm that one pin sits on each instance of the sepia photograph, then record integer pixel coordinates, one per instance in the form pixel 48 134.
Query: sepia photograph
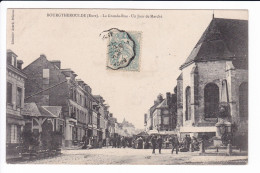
pixel 126 86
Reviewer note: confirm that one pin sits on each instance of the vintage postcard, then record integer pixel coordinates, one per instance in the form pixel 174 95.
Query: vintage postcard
pixel 126 86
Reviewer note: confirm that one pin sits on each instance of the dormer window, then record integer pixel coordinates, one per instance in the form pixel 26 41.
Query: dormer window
pixel 11 59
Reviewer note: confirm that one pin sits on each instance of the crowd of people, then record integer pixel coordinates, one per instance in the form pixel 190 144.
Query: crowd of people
pixel 171 141
pixel 115 142
pixel 121 141
pixel 145 142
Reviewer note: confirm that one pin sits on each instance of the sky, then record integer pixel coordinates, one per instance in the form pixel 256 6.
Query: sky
pixel 165 44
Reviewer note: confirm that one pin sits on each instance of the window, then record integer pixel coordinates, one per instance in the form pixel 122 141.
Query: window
pixel 83 101
pixel 9 60
pixel 211 99
pixel 61 128
pixel 46 73
pixel 243 100
pixel 74 95
pixel 13 61
pixel 159 120
pixel 90 119
pixel 86 103
pixel 79 134
pixel 14 138
pixel 9 93
pixel 77 98
pixel 45 76
pixel 188 105
pixel 19 97
pixel 86 119
pixel 80 99
pixel 71 93
pixel 166 120
pixel 90 104
pixel 77 114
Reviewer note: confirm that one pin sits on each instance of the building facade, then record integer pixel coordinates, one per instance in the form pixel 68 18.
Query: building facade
pixel 15 122
pixel 163 114
pixel 49 85
pixel 149 120
pixel 215 74
pixel 111 125
pixel 102 117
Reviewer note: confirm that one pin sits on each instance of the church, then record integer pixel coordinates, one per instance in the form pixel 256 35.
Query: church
pixel 214 76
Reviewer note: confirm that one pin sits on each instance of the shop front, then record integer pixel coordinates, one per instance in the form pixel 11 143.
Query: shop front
pixel 14 128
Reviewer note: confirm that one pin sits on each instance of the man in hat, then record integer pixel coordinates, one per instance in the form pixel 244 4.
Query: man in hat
pixel 175 144
pixel 160 141
pixel 153 141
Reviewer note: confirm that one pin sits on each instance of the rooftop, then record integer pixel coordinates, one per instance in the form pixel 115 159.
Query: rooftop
pixel 224 39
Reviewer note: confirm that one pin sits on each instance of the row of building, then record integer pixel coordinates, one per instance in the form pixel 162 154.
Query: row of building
pixel 43 97
pixel 213 78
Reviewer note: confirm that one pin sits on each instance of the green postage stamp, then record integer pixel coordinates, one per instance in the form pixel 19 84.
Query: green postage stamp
pixel 123 49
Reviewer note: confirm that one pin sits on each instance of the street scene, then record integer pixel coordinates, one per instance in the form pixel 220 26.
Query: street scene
pixel 112 109
pixel 128 156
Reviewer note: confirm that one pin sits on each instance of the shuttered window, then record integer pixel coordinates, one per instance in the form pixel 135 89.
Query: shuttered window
pixel 9 93
pixel 14 137
pixel 19 97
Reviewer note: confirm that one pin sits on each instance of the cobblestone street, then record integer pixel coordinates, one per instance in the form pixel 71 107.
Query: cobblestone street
pixel 118 156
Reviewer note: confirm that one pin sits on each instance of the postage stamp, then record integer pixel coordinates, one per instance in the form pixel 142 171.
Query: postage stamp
pixel 123 49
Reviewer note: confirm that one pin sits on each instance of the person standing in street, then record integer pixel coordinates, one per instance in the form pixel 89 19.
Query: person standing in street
pixel 153 141
pixel 123 141
pixel 113 142
pixel 172 140
pixel 118 142
pixel 189 142
pixel 175 144
pixel 107 142
pixel 84 140
pixel 160 141
pixel 140 143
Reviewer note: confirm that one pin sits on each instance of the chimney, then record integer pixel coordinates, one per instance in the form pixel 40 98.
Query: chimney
pixel 42 56
pixel 168 97
pixel 57 63
pixel 19 64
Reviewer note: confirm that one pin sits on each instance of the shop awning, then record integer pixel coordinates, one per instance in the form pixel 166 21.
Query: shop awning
pixel 150 132
pixel 143 133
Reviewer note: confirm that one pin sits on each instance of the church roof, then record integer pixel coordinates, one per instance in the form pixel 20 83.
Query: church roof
pixel 224 39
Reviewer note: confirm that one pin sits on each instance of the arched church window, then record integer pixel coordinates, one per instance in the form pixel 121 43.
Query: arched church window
pixel 243 99
pixel 188 106
pixel 211 100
